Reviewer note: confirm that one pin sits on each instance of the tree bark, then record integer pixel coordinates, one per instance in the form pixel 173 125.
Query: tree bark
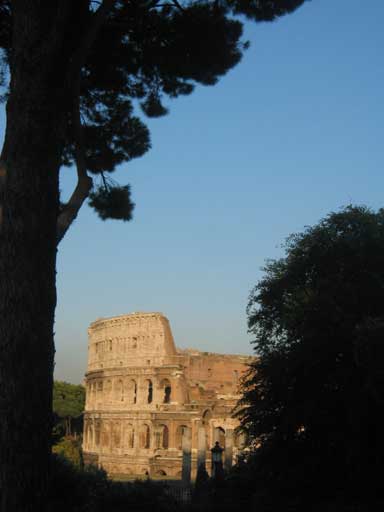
pixel 29 199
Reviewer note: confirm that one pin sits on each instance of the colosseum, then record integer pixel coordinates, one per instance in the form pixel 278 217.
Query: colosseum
pixel 152 409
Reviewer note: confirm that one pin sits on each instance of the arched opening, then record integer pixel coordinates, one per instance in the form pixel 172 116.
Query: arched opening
pixel 207 415
pixel 166 386
pixel 161 472
pixel 219 435
pixel 165 437
pixel 133 391
pixel 119 391
pixel 150 391
pixel 209 372
pixel 206 423
pixel 179 436
pixel 167 394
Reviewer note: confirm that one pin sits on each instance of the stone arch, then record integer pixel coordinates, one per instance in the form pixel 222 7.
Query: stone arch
pixel 206 424
pixel 179 436
pixel 165 385
pixel 164 437
pixel 145 436
pixel 149 389
pixel 219 435
pixel 206 417
pixel 133 391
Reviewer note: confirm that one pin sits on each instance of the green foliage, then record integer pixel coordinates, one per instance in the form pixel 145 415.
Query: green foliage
pixel 68 399
pixel 264 11
pixel 70 449
pixel 112 202
pixel 144 53
pixel 314 396
pixel 68 406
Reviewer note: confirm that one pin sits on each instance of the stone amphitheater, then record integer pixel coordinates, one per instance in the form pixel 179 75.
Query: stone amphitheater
pixel 152 409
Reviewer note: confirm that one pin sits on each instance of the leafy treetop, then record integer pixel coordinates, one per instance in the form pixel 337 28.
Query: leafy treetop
pixel 312 398
pixel 68 399
pixel 316 317
pixel 118 53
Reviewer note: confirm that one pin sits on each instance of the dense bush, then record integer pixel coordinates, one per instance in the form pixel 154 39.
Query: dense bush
pixel 73 489
pixel 70 448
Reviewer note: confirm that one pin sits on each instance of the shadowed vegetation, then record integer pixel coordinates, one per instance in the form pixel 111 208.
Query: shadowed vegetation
pixel 313 399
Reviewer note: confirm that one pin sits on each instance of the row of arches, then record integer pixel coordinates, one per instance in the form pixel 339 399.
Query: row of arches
pixel 163 440
pixel 111 436
pixel 128 390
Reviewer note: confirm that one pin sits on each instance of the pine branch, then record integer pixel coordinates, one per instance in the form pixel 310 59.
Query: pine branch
pixel 84 182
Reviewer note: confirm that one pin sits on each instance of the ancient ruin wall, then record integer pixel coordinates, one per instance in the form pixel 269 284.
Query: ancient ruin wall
pixel 137 339
pixel 143 395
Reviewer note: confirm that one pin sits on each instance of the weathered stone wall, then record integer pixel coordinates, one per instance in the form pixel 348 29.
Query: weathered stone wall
pixel 143 396
pixel 139 339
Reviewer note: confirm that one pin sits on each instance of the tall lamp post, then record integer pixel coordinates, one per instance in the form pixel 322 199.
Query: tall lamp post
pixel 217 461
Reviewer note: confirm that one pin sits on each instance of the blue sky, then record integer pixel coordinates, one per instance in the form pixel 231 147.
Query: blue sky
pixel 292 133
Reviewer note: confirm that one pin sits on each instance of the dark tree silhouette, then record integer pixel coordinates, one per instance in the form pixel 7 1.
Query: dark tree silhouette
pixel 73 69
pixel 313 398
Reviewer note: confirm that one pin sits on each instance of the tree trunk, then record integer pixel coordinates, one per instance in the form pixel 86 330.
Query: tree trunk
pixel 29 197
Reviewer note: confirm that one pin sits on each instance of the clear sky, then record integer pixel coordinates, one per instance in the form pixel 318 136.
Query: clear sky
pixel 293 132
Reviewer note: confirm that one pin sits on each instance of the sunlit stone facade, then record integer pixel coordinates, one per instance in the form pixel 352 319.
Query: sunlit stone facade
pixel 144 397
